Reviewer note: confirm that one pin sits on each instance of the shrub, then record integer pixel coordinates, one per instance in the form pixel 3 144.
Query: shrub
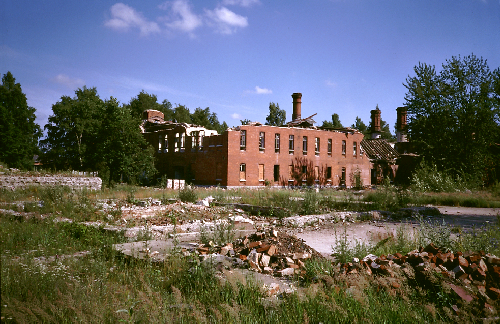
pixel 187 194
pixel 427 178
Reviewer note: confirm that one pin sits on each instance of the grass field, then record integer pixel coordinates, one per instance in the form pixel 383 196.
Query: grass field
pixel 104 286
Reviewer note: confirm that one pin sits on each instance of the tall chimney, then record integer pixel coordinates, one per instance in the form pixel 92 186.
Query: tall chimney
pixel 376 123
pixel 297 102
pixel 401 124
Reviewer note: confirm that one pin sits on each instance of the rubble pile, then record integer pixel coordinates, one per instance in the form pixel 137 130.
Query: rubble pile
pixel 474 277
pixel 269 252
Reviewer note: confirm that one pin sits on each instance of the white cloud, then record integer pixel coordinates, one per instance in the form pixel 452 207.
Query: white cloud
pixel 331 83
pixel 71 83
pixel 125 17
pixel 259 90
pixel 243 3
pixel 225 20
pixel 183 18
pixel 180 17
pixel 236 116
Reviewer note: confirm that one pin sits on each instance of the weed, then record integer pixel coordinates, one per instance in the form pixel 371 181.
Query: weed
pixel 188 194
pixel 221 233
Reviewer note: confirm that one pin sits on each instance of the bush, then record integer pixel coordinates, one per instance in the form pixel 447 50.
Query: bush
pixel 188 194
pixel 427 178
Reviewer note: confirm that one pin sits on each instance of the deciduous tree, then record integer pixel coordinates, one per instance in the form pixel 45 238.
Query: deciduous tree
pixel 453 116
pixel 124 153
pixel 72 131
pixel 277 116
pixel 360 126
pixel 19 133
pixel 335 123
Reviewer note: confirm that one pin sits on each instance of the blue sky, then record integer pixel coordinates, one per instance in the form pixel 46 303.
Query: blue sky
pixel 236 56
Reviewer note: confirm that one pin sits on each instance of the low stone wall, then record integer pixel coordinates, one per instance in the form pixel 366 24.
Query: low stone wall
pixel 13 182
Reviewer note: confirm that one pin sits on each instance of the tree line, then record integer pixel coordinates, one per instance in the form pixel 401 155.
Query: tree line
pixel 453 123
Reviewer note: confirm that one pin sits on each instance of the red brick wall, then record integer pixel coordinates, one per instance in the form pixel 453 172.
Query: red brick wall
pixel 219 161
pixel 252 156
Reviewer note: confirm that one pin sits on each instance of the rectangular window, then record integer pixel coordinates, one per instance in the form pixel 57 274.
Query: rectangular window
pixel 177 143
pixel 194 141
pixel 276 143
pixel 304 169
pixel 316 145
pixel 354 149
pixel 261 172
pixel 304 145
pixel 290 144
pixel 329 172
pixel 276 173
pixel 165 146
pixel 343 147
pixel 183 141
pixel 243 172
pixel 342 177
pixel 243 140
pixel 160 142
pixel 329 146
pixel 262 141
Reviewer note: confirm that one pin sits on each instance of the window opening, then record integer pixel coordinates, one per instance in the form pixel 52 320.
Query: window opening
pixel 243 171
pixel 290 144
pixel 262 141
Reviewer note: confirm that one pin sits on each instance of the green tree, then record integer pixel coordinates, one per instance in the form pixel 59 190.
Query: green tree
pixel 335 123
pixel 181 114
pixel 143 101
pixel 72 131
pixel 245 121
pixel 453 116
pixel 201 117
pixel 277 116
pixel 360 126
pixel 124 153
pixel 19 133
pixel 146 101
pixel 166 109
pixel 88 134
pixel 205 118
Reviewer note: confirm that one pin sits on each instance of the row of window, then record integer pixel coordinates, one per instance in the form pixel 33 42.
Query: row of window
pixel 291 144
pixel 180 142
pixel 276 172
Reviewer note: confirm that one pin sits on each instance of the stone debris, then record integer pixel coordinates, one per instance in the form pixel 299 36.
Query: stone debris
pixel 13 182
pixel 471 276
pixel 269 252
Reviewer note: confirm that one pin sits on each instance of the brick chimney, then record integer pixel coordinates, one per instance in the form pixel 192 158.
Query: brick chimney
pixel 375 129
pixel 297 102
pixel 401 124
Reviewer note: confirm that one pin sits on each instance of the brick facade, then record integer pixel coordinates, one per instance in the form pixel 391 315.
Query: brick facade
pixel 248 155
pixel 218 161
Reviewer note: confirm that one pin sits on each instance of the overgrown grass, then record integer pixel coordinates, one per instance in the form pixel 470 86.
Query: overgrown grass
pixel 104 286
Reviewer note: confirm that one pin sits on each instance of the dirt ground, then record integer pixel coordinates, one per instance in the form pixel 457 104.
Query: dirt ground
pixel 323 238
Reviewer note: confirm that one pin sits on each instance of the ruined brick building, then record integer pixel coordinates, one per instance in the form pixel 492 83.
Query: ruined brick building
pixel 255 154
